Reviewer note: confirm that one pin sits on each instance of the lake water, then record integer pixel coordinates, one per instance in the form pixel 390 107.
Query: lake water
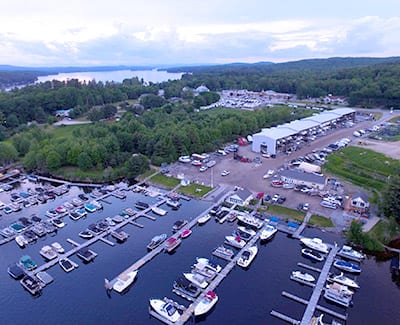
pixel 245 296
pixel 116 76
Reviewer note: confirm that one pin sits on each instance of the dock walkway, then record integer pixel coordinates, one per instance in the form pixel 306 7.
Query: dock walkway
pixel 297 233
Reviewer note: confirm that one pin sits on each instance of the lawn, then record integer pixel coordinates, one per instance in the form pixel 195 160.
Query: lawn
pixel 385 230
pixel 362 167
pixel 195 190
pixel 282 211
pixel 317 220
pixel 169 182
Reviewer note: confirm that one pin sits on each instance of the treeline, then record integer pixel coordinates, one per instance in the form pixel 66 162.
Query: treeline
pixel 123 148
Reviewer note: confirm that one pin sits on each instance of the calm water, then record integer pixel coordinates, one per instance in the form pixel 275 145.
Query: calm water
pixel 246 296
pixel 116 76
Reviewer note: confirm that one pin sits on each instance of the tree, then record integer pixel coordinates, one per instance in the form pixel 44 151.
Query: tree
pixel 390 203
pixel 136 165
pixel 53 160
pixel 84 161
pixel 8 153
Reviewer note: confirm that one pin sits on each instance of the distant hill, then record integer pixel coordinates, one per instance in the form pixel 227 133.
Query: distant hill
pixel 73 69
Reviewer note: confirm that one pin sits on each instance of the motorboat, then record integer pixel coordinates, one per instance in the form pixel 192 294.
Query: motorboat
pixel 159 211
pixel 185 286
pixel 223 252
pixel 89 207
pixel 44 277
pixel 197 279
pixel 15 271
pixel 124 281
pixel 58 223
pixel 250 221
pixel 313 255
pixel 250 232
pixel 110 221
pixel 49 227
pixel 210 264
pixel 60 209
pixel 31 284
pixel 156 241
pixel 202 220
pixel 174 204
pixel 298 275
pixel 27 263
pixel 86 234
pixel 129 212
pixel 247 256
pixel 316 244
pixel 172 243
pixel 66 264
pixel 342 279
pixel 120 235
pixel 141 205
pixel 51 213
pixel 39 229
pixel 206 303
pixel 96 204
pixel 21 241
pixel 48 252
pixel 341 287
pixel 336 295
pixel 347 266
pixel 94 229
pixel 86 254
pixel 268 232
pixel 166 309
pixel 186 233
pixel 58 248
pixel 235 241
pixel 179 224
pixel 118 218
pixel 350 253
pixel 77 202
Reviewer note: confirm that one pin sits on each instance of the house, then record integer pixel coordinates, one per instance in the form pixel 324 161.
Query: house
pixel 240 196
pixel 359 202
pixel 297 177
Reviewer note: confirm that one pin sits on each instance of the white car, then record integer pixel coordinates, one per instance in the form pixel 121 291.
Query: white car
pixel 203 168
pixel 225 173
pixel 269 173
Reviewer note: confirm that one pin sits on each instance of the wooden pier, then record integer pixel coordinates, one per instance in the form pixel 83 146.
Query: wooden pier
pixel 309 267
pixel 284 317
pixel 297 233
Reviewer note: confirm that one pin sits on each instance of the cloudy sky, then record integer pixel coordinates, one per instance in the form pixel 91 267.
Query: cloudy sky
pixel 133 32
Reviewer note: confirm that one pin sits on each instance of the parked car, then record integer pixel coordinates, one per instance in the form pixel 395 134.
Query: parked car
pixel 203 168
pixel 225 173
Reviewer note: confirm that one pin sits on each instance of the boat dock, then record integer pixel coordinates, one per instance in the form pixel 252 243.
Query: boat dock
pixel 309 267
pixel 284 317
pixel 299 230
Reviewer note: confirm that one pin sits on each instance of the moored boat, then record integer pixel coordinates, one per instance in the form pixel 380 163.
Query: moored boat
pixel 58 223
pixel 156 241
pixel 27 263
pixel 223 252
pixel 347 266
pixel 66 264
pixel 21 241
pixel 206 303
pixel 202 220
pixel 250 221
pixel 186 287
pixel 210 263
pixel 166 309
pixel 235 241
pixel 159 211
pixel 336 295
pixel 179 224
pixel 302 276
pixel 58 248
pixel 186 233
pixel 124 281
pixel 313 255
pixel 31 284
pixel 86 234
pixel 341 287
pixel 141 205
pixel 119 235
pixel 15 271
pixel 48 252
pixel 173 204
pixel 316 244
pixel 247 256
pixel 172 243
pixel 342 279
pixel 350 253
pixel 268 232
pixel 197 279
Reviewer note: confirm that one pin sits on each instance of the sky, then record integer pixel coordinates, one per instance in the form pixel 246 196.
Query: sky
pixel 173 32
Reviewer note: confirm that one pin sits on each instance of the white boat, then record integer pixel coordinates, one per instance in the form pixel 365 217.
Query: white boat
pixel 204 219
pixel 197 279
pixel 124 281
pixel 223 252
pixel 66 264
pixel 211 264
pixel 350 253
pixel 347 266
pixel 309 253
pixel 235 241
pixel 336 295
pixel 173 203
pixel 342 279
pixel 267 232
pixel 316 244
pixel 341 287
pixel 302 276
pixel 48 252
pixel 250 221
pixel 206 303
pixel 21 241
pixel 165 309
pixel 159 211
pixel 58 248
pixel 247 256
pixel 156 241
pixel 248 231
pixel 58 223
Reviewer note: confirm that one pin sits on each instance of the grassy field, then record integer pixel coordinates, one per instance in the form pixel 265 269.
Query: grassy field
pixel 384 230
pixel 317 220
pixel 168 182
pixel 195 190
pixel 362 167
pixel 281 211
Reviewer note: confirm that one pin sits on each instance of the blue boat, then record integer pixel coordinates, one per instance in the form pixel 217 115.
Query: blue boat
pixel 90 208
pixel 347 266
pixel 27 263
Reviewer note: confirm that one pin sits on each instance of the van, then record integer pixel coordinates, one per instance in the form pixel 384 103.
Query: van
pixel 327 204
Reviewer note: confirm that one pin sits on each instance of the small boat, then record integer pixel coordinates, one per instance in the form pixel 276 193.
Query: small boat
pixel 302 276
pixel 223 252
pixel 179 224
pixel 313 255
pixel 210 264
pixel 172 243
pixel 124 281
pixel 247 256
pixel 90 207
pixel 51 213
pixel 347 266
pixel 21 241
pixel 81 211
pixel 185 286
pixel 60 209
pixel 48 252
pixel 66 264
pixel 165 309
pixel 173 204
pixel 246 236
pixel 118 218
pixel 96 204
pixel 130 212
pixel 15 271
pixel 58 248
pixel 156 241
pixel 86 234
pixel 336 295
pixel 74 215
pixel 110 221
pixel 31 284
pixel 86 254
pixel 27 263
pixel 7 232
pixel 206 303
pixel 316 244
pixel 268 232
pixel 141 205
pixel 251 221
pixel 342 279
pixel 197 279
pixel 39 229
pixel 77 202
pixel 44 277
pixel 186 233
pixel 49 227
pixel 120 235
pixel 58 223
pixel 235 241
pixel 248 231
pixel 159 211
pixel 350 253
pixel 341 287
pixel 202 220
